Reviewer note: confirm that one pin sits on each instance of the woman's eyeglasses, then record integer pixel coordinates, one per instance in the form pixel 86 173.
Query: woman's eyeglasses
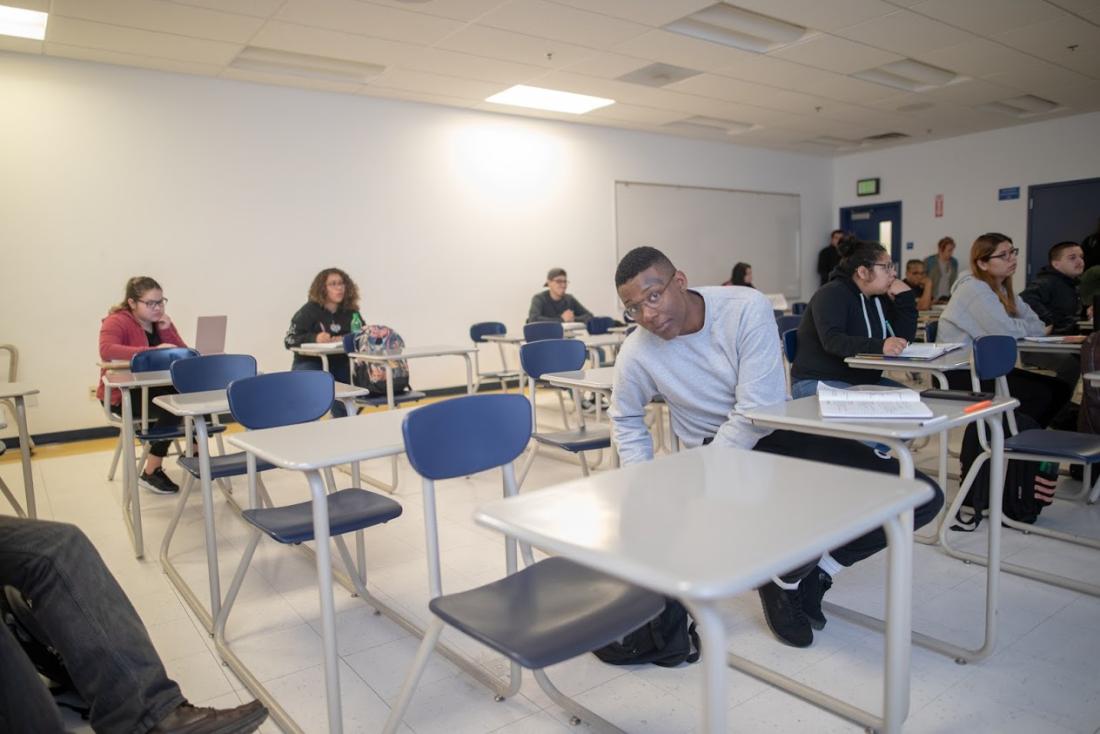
pixel 1005 255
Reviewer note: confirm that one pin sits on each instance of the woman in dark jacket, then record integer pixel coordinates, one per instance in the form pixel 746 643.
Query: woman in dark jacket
pixel 863 309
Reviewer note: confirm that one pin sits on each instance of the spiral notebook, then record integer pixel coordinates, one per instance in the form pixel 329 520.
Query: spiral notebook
pixel 878 403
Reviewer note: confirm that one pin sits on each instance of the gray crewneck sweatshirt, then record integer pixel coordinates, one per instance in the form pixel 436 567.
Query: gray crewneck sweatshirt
pixel 732 363
pixel 974 310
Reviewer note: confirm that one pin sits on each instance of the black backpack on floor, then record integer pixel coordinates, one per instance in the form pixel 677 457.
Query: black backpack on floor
pixel 666 640
pixel 1029 485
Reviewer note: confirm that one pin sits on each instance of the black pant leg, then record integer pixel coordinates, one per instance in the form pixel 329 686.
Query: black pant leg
pixel 1041 396
pixel 26 706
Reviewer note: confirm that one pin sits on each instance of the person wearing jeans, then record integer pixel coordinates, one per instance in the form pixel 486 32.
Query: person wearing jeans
pixel 99 636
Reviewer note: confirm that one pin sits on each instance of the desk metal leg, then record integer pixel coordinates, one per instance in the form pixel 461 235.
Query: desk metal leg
pixel 469 375
pixel 25 454
pixel 713 638
pixel 328 605
pixel 131 497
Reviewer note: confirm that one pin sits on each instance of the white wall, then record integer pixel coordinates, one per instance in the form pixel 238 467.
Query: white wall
pixel 233 195
pixel 968 171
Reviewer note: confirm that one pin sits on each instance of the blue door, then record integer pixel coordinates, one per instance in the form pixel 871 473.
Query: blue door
pixel 875 223
pixel 1058 212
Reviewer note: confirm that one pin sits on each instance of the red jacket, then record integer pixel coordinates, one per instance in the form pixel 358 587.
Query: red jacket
pixel 121 337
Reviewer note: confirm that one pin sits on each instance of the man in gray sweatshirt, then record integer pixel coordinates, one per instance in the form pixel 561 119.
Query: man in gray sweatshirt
pixel 713 353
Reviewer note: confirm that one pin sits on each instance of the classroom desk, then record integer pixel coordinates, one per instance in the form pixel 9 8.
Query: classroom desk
pixel 1023 345
pixel 594 342
pixel 124 381
pixel 194 407
pixel 18 392
pixel 803 415
pixel 314 448
pixel 114 364
pixel 434 350
pixel 1093 378
pixel 321 350
pixel 728 537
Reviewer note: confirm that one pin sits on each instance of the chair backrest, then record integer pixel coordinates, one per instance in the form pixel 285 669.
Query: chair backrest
pixel 599 324
pixel 552 355
pixel 211 371
pixel 790 344
pixel 798 308
pixel 786 323
pixel 153 360
pixel 931 329
pixel 540 330
pixel 349 341
pixel 993 356
pixel 480 330
pixel 467 435
pixel 281 398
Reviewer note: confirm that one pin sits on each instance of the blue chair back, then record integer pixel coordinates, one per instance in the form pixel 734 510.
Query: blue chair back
pixel 790 344
pixel 281 398
pixel 798 308
pixel 552 355
pixel 154 360
pixel 480 330
pixel 931 329
pixel 786 323
pixel 349 342
pixel 211 372
pixel 542 330
pixel 994 356
pixel 466 435
pixel 599 324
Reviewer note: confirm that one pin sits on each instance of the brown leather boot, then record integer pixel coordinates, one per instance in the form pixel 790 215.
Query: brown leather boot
pixel 187 719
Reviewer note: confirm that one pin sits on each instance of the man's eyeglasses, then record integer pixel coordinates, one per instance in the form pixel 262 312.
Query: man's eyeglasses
pixel 155 304
pixel 560 281
pixel 651 299
pixel 1005 255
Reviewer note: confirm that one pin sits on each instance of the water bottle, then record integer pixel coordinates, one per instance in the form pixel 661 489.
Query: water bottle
pixel 356 323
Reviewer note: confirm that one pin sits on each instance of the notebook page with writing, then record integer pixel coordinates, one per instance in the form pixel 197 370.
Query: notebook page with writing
pixel 875 404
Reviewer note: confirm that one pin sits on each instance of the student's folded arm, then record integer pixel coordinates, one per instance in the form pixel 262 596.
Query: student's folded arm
pixel 1032 324
pixel 633 392
pixel 1037 297
pixel 580 313
pixel 760 379
pixel 830 324
pixel 111 346
pixel 901 312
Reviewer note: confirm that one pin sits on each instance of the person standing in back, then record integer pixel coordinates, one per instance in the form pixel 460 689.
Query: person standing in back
pixel 942 269
pixel 829 256
pixel 331 312
pixel 554 304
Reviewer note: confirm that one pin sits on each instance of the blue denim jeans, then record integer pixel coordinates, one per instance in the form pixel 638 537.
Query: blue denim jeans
pixel 90 622
pixel 340 367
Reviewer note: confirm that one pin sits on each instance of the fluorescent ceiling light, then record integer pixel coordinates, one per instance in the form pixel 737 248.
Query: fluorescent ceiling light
pixel 272 61
pixel 730 126
pixel 22 23
pixel 553 100
pixel 1025 105
pixel 910 75
pixel 743 29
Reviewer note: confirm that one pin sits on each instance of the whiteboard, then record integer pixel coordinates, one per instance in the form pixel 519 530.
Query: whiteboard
pixel 705 232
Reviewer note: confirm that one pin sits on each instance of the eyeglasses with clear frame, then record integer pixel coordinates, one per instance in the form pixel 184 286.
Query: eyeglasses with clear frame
pixel 1013 252
pixel 651 299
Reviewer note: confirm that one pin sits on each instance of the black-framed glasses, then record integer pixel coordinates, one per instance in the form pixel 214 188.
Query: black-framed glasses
pixel 1013 252
pixel 155 304
pixel 889 267
pixel 560 281
pixel 651 299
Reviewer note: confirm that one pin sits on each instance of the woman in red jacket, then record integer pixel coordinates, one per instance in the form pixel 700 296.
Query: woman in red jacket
pixel 139 323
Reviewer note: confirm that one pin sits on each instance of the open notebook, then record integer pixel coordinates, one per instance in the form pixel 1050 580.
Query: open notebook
pixel 919 352
pixel 871 402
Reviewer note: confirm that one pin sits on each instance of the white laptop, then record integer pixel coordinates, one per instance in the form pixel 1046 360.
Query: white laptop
pixel 210 334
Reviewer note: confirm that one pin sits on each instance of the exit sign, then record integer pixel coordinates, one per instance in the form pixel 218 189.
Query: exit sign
pixel 867 187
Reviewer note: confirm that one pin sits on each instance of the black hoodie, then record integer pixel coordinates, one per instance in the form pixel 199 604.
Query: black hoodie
pixel 1053 297
pixel 841 322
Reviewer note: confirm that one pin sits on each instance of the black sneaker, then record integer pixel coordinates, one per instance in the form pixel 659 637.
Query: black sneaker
pixel 158 482
pixel 188 719
pixel 784 615
pixel 812 589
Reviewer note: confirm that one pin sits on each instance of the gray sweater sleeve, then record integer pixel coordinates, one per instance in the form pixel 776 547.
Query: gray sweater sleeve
pixel 977 311
pixel 634 389
pixel 760 375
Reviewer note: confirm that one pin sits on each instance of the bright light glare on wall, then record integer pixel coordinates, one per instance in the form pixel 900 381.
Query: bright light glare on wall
pixel 549 99
pixel 503 163
pixel 22 23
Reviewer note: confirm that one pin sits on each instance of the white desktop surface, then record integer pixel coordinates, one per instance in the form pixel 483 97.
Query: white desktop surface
pixel 691 525
pixel 1022 345
pixel 16 389
pixel 118 379
pixel 430 350
pixel 207 402
pixel 959 359
pixel 335 347
pixel 320 444
pixel 600 378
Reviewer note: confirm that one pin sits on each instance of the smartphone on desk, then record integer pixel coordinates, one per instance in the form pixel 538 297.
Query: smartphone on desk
pixel 967 395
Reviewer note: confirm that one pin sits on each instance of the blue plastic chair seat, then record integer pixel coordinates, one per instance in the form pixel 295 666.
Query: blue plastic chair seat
pixel 167 433
pixel 398 398
pixel 588 439
pixel 549 612
pixel 230 465
pixel 1083 447
pixel 348 510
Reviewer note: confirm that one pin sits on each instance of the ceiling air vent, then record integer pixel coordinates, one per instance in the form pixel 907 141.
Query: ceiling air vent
pixel 732 26
pixel 1026 105
pixel 700 123
pixel 910 75
pixel 884 136
pixel 272 61
pixel 658 75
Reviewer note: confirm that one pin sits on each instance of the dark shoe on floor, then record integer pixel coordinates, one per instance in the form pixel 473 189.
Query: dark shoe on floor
pixel 784 615
pixel 159 482
pixel 186 719
pixel 812 589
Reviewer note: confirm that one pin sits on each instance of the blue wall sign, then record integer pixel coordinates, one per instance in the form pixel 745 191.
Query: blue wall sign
pixel 1013 192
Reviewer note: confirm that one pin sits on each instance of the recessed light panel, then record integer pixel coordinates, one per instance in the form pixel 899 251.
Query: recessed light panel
pixel 732 26
pixel 22 23
pixel 552 100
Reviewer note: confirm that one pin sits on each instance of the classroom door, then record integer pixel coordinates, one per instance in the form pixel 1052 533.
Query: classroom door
pixel 1057 212
pixel 875 223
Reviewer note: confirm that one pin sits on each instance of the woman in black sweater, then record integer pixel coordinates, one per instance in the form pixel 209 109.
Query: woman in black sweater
pixel 863 309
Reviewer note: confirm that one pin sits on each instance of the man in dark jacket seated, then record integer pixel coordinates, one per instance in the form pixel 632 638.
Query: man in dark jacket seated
pixel 1053 297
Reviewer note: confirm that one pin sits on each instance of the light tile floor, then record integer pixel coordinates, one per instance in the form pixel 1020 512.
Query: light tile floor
pixel 1043 677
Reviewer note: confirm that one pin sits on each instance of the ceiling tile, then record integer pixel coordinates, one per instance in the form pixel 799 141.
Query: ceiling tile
pixel 818 15
pixel 969 92
pixel 1067 41
pixel 519 47
pixel 607 65
pixel 562 23
pixel 674 48
pixel 653 14
pixel 257 8
pixel 638 114
pixel 976 58
pixel 905 33
pixel 288 80
pixel 75 32
pixel 419 81
pixel 1039 76
pixel 61 50
pixel 467 66
pixel 835 54
pixel 333 44
pixel 735 90
pixel 20 45
pixel 370 20
pixel 1087 9
pixel 164 17
pixel 987 17
pixel 465 10
pixel 406 96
